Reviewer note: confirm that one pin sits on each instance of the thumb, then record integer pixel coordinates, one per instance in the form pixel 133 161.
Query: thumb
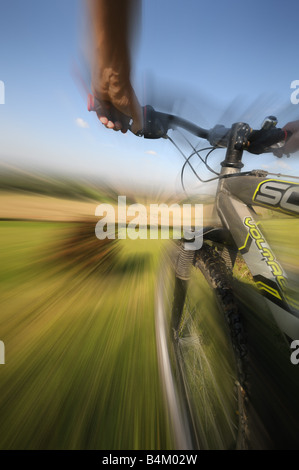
pixel 137 124
pixel 136 115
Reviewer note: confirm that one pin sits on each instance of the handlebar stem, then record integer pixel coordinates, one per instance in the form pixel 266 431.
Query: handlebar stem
pixel 237 141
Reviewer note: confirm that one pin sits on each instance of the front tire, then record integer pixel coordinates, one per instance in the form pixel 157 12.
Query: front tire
pixel 210 355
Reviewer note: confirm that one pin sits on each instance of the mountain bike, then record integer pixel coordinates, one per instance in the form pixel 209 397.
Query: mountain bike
pixel 201 337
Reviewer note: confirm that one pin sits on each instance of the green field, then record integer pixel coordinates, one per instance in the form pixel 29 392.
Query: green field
pixel 81 367
pixel 77 320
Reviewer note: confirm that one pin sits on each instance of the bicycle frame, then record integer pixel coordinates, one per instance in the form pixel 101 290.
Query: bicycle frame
pixel 236 193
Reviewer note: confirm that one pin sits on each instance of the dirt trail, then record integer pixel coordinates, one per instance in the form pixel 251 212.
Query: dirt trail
pixel 44 208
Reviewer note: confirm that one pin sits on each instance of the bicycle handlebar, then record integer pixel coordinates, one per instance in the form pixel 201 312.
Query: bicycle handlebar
pixel 157 124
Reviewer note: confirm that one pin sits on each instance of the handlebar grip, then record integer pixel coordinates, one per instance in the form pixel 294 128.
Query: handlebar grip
pixel 155 123
pixel 261 141
pixel 90 103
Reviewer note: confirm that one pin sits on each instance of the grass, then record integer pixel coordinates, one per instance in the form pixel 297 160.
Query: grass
pixel 282 236
pixel 81 368
pixel 77 320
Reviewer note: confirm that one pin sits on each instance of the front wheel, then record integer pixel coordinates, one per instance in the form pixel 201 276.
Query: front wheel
pixel 208 356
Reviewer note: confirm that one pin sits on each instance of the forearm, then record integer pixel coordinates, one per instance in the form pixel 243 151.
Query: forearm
pixel 113 27
pixel 111 22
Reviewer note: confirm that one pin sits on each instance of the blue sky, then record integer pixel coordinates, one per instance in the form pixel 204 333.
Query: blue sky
pixel 208 60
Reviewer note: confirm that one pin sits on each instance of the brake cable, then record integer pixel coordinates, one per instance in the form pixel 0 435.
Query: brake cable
pixel 187 162
pixel 204 161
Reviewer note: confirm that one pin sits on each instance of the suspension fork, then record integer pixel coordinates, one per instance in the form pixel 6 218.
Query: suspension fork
pixel 231 164
pixel 183 265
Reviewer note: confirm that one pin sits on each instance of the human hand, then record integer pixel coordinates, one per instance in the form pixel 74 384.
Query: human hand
pixel 292 145
pixel 116 104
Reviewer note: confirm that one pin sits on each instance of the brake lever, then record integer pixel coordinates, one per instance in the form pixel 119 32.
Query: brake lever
pixel 156 125
pixel 262 141
pixel 259 146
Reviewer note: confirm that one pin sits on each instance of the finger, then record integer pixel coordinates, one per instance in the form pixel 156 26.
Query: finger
pixel 278 153
pixel 104 112
pixel 125 126
pixel 292 144
pixel 121 121
pixel 104 120
pixel 110 125
pixel 111 117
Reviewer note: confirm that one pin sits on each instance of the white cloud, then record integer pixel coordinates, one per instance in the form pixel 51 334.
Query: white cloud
pixel 283 164
pixel 81 123
pixel 151 152
pixel 278 164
